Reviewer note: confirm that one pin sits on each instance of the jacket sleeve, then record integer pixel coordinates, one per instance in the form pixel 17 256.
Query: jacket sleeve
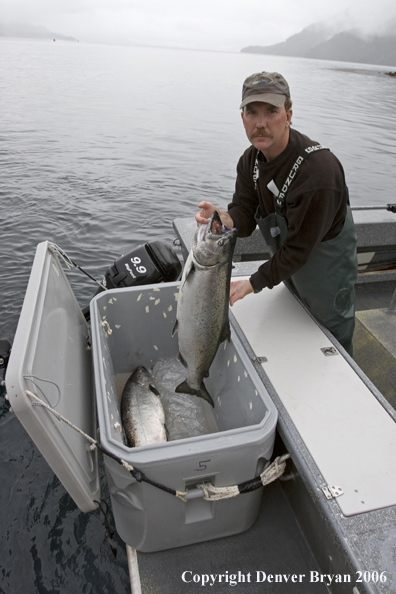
pixel 245 200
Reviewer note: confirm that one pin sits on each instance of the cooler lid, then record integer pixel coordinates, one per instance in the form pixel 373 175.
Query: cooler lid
pixel 51 357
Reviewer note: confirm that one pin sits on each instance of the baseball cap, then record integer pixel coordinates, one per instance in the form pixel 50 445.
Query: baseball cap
pixel 268 87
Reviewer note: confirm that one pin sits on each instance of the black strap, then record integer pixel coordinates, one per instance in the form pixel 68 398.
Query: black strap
pixel 280 199
pixel 138 475
pixel 256 170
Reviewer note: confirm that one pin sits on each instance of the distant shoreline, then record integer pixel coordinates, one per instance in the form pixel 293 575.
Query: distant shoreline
pixel 24 31
pixel 321 43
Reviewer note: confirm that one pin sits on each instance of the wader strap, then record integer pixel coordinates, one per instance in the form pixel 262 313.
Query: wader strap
pixel 256 171
pixel 280 196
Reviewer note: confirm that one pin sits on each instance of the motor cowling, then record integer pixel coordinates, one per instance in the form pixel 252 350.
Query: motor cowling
pixel 149 263
pixel 152 262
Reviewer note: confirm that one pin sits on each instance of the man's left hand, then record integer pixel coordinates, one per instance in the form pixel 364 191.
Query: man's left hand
pixel 239 290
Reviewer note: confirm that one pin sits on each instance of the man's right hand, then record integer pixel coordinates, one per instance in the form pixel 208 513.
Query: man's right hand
pixel 207 209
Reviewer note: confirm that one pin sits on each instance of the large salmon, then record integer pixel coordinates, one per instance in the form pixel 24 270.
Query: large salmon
pixel 142 412
pixel 202 309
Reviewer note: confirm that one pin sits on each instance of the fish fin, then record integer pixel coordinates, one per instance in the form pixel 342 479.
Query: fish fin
pixel 154 390
pixel 190 268
pixel 181 359
pixel 175 327
pixel 184 388
pixel 226 332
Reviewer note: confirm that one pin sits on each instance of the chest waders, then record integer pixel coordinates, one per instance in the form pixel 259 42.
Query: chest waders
pixel 326 283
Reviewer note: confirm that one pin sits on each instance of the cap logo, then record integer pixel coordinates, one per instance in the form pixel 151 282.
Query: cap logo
pixel 263 81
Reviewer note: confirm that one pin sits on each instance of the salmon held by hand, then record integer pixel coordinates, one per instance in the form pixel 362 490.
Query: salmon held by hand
pixel 202 310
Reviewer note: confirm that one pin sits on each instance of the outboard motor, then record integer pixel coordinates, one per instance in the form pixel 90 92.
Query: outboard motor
pixel 152 262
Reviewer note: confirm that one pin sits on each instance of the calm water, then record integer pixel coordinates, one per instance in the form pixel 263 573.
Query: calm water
pixel 101 148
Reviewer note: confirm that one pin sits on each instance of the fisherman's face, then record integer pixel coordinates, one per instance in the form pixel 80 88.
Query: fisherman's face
pixel 267 127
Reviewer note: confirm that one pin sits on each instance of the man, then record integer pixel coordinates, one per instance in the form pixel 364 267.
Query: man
pixel 294 189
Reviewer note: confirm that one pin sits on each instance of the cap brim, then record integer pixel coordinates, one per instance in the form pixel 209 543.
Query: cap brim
pixel 271 98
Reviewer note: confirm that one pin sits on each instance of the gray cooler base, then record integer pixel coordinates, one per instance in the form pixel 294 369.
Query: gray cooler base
pixel 274 545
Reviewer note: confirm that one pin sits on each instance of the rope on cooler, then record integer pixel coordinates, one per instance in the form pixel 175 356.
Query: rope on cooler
pixel 138 475
pixel 271 473
pixel 211 493
pixel 105 324
pixel 70 264
pixel 39 402
pixel 34 379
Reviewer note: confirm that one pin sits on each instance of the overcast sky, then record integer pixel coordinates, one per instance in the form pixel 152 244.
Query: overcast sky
pixel 225 25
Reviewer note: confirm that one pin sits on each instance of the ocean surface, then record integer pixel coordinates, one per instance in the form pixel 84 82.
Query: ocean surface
pixel 101 148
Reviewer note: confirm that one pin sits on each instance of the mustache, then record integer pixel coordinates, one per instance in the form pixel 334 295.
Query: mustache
pixel 261 132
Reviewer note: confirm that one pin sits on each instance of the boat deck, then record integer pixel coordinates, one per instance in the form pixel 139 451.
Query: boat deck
pixel 297 530
pixel 374 340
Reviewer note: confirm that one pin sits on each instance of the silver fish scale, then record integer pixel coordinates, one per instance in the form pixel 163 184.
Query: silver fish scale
pixel 143 415
pixel 202 312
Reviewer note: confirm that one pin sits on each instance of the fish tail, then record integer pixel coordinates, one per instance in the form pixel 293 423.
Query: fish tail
pixel 185 388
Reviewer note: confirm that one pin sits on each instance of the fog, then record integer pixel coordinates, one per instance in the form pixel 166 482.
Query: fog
pixel 223 25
